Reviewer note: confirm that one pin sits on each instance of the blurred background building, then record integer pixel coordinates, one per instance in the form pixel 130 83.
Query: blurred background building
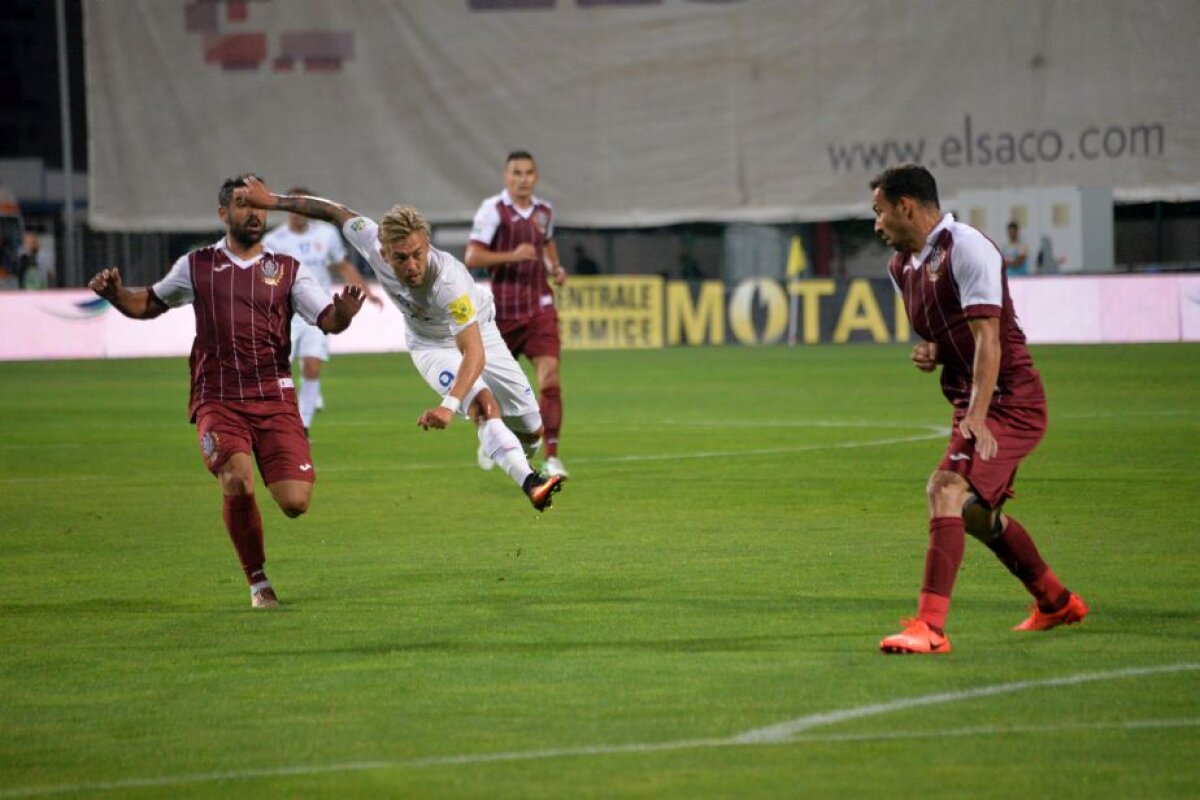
pixel 661 128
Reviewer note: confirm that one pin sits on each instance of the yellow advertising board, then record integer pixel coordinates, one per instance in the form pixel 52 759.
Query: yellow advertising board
pixel 611 312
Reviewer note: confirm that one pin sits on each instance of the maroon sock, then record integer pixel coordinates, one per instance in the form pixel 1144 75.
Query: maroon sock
pixel 1016 551
pixel 947 536
pixel 244 524
pixel 550 403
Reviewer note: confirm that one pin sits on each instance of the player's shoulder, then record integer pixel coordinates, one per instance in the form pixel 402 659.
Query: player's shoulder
pixel 447 264
pixel 962 232
pixel 543 202
pixel 490 204
pixel 203 252
pixel 971 244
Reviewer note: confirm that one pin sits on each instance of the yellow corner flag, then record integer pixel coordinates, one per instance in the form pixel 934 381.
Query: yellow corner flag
pixel 797 262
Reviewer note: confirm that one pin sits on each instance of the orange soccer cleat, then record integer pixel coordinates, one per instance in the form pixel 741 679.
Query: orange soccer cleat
pixel 917 637
pixel 541 488
pixel 1074 611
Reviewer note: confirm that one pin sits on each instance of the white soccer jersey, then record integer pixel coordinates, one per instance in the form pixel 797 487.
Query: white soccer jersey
pixel 318 247
pixel 444 307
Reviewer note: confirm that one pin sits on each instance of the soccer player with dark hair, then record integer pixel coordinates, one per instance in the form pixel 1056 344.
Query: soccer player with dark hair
pixel 243 401
pixel 956 294
pixel 513 237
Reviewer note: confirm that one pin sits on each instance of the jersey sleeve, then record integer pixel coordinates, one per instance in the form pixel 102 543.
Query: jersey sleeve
pixel 309 299
pixel 977 271
pixel 175 288
pixel 456 295
pixel 485 224
pixel 363 235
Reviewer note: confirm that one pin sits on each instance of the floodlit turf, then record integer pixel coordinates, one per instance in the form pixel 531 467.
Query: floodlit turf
pixel 740 528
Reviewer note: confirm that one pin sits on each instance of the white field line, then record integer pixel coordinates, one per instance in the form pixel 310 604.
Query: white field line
pixel 782 734
pixel 786 730
pixel 935 432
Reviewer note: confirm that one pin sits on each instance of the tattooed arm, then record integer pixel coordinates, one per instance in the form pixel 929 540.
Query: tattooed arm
pixel 258 195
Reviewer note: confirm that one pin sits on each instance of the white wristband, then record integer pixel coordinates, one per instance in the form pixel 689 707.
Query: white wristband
pixel 450 402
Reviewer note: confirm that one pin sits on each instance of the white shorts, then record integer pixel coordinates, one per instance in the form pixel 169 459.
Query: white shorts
pixel 309 341
pixel 501 374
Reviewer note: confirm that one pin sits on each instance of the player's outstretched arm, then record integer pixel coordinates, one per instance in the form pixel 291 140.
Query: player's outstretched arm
pixel 256 194
pixel 343 308
pixel 133 303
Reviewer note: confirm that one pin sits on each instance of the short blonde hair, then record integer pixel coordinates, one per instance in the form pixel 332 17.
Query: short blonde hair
pixel 400 222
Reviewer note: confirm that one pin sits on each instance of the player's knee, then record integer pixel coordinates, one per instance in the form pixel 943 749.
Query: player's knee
pixel 484 407
pixel 947 490
pixel 235 480
pixel 293 505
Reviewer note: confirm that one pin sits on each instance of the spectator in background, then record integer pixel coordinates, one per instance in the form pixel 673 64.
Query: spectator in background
pixel 8 258
pixel 28 269
pixel 584 263
pixel 1015 252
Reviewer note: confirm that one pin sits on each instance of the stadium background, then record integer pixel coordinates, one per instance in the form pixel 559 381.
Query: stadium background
pixel 690 141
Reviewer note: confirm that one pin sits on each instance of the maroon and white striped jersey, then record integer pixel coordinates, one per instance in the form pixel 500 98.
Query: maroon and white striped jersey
pixel 243 321
pixel 959 276
pixel 520 287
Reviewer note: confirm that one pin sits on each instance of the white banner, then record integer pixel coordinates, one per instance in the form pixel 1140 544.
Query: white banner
pixel 639 112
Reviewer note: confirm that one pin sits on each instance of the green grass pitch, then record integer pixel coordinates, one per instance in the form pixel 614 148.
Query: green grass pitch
pixel 697 616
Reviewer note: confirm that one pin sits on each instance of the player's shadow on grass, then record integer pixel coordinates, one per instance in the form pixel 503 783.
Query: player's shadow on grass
pixel 741 644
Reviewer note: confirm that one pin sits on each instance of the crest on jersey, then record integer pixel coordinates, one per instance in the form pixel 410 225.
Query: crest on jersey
pixel 541 220
pixel 270 271
pixel 210 445
pixel 935 261
pixel 461 309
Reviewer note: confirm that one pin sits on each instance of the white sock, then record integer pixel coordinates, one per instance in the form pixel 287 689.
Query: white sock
pixel 309 392
pixel 503 447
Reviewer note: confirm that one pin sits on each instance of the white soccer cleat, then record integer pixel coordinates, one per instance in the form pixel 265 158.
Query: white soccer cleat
pixel 555 468
pixel 262 595
pixel 483 459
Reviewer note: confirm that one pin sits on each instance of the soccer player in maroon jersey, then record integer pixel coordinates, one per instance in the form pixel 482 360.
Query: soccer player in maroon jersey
pixel 243 401
pixel 956 294
pixel 513 237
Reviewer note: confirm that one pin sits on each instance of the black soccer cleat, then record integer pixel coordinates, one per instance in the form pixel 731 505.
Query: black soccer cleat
pixel 540 488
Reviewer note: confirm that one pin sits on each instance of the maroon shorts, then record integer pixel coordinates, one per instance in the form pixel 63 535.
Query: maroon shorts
pixel 1017 432
pixel 269 430
pixel 533 336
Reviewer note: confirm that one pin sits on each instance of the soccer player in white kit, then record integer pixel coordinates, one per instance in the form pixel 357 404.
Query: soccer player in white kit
pixel 451 332
pixel 318 246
